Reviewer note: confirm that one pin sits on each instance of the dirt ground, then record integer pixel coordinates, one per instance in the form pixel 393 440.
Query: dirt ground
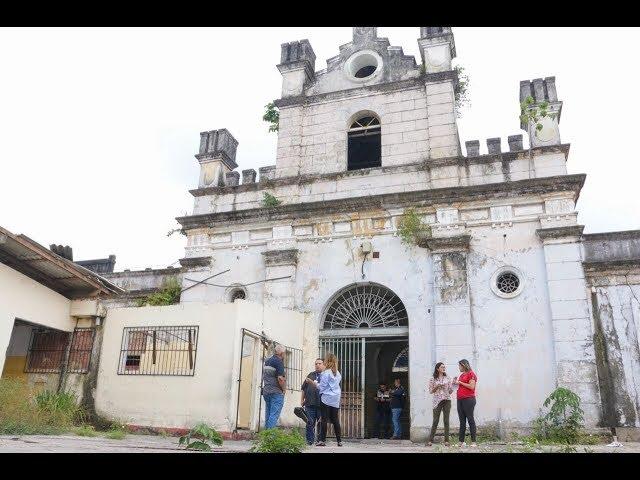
pixel 156 444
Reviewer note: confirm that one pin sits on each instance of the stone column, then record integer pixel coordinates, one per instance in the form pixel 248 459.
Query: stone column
pixel 575 362
pixel 280 263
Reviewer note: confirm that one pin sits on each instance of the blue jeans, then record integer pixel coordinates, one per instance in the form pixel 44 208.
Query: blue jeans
pixel 313 413
pixel 273 403
pixel 395 417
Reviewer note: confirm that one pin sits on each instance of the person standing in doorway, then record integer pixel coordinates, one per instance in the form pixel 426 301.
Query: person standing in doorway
pixel 310 400
pixel 441 387
pixel 273 387
pixel 383 411
pixel 466 401
pixel 330 393
pixel 398 396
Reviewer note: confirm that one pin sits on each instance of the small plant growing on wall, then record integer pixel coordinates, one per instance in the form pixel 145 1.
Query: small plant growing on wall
pixel 275 440
pixel 531 113
pixel 411 229
pixel 201 437
pixel 169 294
pixel 462 91
pixel 272 115
pixel 564 420
pixel 270 201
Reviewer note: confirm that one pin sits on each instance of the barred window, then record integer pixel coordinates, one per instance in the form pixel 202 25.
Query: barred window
pixel 293 368
pixel 80 351
pixel 158 351
pixel 47 349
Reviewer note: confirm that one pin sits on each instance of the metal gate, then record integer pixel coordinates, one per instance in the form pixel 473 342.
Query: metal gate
pixel 350 352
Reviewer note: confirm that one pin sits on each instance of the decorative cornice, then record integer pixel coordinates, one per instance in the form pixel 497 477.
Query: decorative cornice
pixel 423 165
pixel 560 232
pixel 273 258
pixel 195 262
pixel 622 235
pixel 615 266
pixel 447 195
pixel 459 243
pixel 368 90
pixel 221 156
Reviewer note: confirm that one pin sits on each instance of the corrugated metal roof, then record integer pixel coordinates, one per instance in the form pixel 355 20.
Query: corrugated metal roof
pixel 39 263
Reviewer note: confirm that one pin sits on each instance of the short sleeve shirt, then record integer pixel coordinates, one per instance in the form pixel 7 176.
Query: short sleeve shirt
pixel 273 368
pixel 464 392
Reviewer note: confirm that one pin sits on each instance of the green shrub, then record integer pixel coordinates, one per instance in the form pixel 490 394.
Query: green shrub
pixel 411 228
pixel 274 440
pixel 272 116
pixel 203 435
pixel 270 201
pixel 168 295
pixel 564 420
pixel 25 412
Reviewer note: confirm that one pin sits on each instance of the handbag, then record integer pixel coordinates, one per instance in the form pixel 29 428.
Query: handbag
pixel 300 413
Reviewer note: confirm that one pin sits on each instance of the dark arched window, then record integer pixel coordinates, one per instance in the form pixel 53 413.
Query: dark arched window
pixel 364 143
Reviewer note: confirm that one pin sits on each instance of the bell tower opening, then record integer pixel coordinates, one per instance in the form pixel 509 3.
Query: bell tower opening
pixel 364 149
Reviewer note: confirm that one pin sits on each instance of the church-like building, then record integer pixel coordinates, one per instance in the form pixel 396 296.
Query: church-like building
pixel 504 276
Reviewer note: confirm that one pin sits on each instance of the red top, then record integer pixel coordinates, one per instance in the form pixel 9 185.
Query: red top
pixel 466 377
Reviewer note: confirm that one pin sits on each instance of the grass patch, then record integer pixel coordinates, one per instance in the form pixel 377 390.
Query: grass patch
pixel 274 440
pixel 85 431
pixel 23 411
pixel 116 433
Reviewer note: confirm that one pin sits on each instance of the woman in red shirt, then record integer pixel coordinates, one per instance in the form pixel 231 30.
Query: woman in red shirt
pixel 466 401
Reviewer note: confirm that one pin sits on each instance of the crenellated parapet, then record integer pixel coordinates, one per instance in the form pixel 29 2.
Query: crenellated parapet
pixel 217 157
pixel 297 66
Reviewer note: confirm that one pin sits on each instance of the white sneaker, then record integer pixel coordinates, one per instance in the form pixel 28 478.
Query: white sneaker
pixel 474 444
pixel 462 445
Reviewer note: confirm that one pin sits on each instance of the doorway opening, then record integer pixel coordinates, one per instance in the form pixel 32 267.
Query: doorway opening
pixel 366 326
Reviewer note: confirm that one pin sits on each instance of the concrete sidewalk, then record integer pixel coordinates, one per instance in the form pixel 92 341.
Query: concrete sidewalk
pixel 156 444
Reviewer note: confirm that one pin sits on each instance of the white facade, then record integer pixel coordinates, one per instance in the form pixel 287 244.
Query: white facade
pixel 503 212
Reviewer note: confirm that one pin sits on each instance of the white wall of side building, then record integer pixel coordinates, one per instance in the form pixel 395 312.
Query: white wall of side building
pixel 25 299
pixel 210 395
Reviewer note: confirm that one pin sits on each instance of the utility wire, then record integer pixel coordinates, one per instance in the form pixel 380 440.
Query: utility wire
pixel 234 284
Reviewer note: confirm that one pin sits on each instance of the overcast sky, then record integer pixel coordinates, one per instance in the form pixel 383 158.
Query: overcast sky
pixel 99 126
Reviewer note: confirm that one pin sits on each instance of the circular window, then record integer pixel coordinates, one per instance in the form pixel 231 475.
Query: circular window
pixel 506 282
pixel 236 293
pixel 363 66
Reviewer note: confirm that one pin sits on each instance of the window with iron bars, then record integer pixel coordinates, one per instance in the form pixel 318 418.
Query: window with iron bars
pixel 47 350
pixel 158 350
pixel 293 368
pixel 292 364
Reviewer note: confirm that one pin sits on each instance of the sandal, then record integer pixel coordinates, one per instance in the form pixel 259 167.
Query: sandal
pixel 320 444
pixel 339 444
pixel 446 444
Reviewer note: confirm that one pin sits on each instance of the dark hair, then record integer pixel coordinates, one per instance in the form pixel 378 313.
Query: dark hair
pixel 321 359
pixel 382 382
pixel 435 370
pixel 397 379
pixel 464 363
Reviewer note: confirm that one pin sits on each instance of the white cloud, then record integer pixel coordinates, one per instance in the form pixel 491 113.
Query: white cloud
pixel 98 127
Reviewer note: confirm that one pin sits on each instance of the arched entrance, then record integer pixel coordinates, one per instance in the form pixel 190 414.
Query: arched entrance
pixel 366 325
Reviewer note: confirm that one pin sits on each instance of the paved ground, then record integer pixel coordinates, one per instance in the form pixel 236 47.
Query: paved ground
pixel 155 444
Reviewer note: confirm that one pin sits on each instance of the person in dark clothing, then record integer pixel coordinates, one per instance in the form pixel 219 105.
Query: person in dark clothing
pixel 311 400
pixel 398 396
pixel 383 411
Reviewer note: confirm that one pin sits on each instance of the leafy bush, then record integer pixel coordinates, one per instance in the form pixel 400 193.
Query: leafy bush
pixel 269 200
pixel 272 115
pixel 462 91
pixel 168 295
pixel 564 421
pixel 23 412
pixel 203 435
pixel 274 440
pixel 411 228
pixel 532 113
